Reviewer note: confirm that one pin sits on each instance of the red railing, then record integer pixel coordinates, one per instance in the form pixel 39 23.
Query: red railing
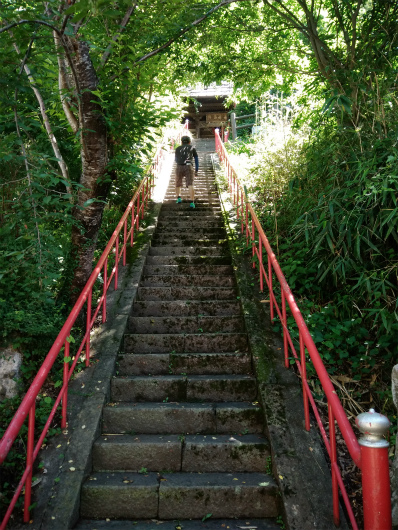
pixel 117 246
pixel 370 457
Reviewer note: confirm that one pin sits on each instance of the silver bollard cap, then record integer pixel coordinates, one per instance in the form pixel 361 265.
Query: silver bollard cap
pixel 373 426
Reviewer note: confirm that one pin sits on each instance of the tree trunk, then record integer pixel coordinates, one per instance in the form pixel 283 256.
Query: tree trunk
pixel 94 155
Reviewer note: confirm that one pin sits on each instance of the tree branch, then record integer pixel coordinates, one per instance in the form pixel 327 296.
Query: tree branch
pixel 25 157
pixel 43 23
pixel 354 30
pixel 185 30
pixel 342 26
pixel 115 38
pixel 47 124
pixel 63 86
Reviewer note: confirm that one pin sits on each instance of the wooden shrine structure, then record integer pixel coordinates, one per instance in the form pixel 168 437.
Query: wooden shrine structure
pixel 206 109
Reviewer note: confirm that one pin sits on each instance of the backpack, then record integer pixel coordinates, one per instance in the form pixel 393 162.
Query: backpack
pixel 184 155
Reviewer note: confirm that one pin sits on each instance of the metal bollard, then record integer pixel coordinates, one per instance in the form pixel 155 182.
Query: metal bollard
pixel 376 492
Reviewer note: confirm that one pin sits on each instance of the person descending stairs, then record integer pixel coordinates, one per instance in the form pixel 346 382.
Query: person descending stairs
pixel 182 443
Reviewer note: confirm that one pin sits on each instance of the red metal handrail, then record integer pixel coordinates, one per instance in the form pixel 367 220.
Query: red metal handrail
pixel 135 212
pixel 251 227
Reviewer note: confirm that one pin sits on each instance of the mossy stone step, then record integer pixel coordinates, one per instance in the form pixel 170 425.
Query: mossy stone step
pixel 191 222
pixel 183 363
pixel 181 242
pixel 182 418
pixel 198 260
pixel 186 308
pixel 185 280
pixel 187 231
pixel 189 343
pixel 179 388
pixel 193 324
pixel 209 524
pixel 193 495
pixel 120 496
pixel 189 269
pixel 183 212
pixel 196 250
pixel 184 207
pixel 176 453
pixel 179 495
pixel 170 199
pixel 186 293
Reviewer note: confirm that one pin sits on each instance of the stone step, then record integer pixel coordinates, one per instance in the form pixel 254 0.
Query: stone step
pixel 182 308
pixel 194 324
pixel 196 250
pixel 205 270
pixel 191 222
pixel 183 363
pixel 182 418
pixel 191 524
pixel 179 495
pixel 208 195
pixel 179 388
pixel 181 280
pixel 186 495
pixel 170 209
pixel 187 211
pixel 204 197
pixel 176 453
pixel 199 201
pixel 191 343
pixel 187 242
pixel 185 231
pixel 202 186
pixel 189 260
pixel 186 293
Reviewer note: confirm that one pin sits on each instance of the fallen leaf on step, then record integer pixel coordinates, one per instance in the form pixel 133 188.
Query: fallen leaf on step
pixel 263 483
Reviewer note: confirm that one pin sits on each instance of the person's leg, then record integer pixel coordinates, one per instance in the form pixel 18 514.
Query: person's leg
pixel 191 189
pixel 178 183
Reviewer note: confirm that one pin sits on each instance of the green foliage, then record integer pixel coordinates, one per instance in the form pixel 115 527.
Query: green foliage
pixel 331 217
pixel 13 467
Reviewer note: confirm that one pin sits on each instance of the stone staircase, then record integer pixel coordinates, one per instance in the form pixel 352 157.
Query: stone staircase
pixel 183 435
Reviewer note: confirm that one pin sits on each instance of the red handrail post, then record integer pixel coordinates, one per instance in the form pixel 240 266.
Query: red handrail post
pixel 285 332
pixel 29 462
pixel 138 211
pixel 124 242
pixel 88 326
pixel 65 384
pixel 105 289
pixel 271 291
pixel 333 461
pixel 253 244
pixel 260 251
pixel 116 261
pixel 303 366
pixel 247 222
pixel 143 202
pixel 132 226
pixel 376 490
